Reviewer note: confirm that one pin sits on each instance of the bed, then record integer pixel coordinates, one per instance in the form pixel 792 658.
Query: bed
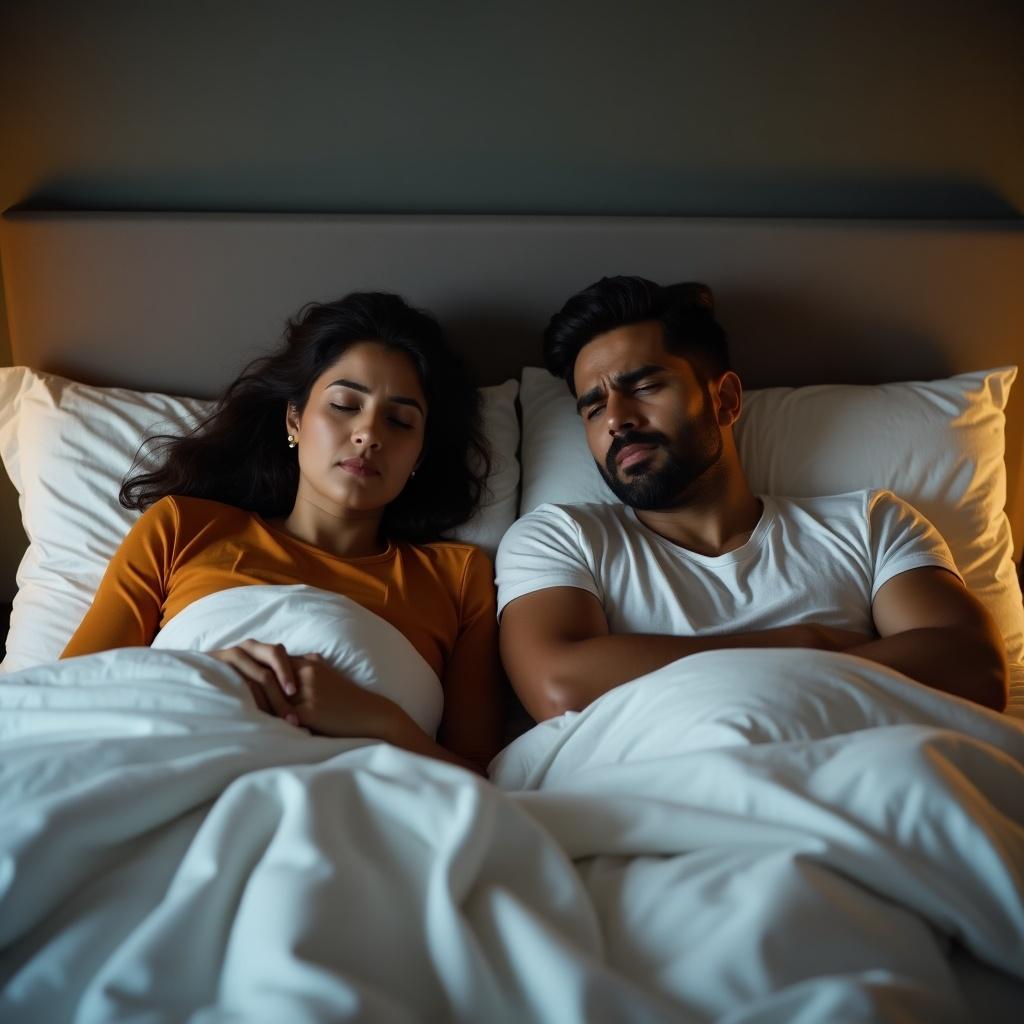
pixel 742 836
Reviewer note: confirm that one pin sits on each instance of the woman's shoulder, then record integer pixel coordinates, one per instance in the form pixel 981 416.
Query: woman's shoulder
pixel 454 560
pixel 184 513
pixel 464 571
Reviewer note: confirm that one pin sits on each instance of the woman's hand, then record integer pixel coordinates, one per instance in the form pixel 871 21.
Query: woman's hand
pixel 328 703
pixel 332 705
pixel 267 670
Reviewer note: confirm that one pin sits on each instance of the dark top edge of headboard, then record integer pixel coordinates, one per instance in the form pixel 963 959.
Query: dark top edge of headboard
pixel 993 224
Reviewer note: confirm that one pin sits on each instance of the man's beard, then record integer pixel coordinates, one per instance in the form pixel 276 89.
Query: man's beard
pixel 678 478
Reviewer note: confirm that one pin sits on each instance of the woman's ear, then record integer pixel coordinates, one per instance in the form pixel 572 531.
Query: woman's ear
pixel 291 420
pixel 730 398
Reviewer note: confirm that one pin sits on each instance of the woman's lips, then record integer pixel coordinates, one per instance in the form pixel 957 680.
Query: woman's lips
pixel 358 467
pixel 634 453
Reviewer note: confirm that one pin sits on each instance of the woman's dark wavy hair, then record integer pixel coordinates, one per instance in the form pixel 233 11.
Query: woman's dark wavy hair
pixel 685 312
pixel 238 455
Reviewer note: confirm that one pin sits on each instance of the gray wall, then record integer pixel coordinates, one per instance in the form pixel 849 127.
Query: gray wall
pixel 814 108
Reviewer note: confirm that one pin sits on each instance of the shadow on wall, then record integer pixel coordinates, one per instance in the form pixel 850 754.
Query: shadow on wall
pixel 771 334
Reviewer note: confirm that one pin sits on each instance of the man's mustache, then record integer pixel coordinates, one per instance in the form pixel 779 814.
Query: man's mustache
pixel 633 437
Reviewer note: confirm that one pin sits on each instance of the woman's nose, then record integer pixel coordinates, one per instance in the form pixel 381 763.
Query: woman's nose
pixel 365 434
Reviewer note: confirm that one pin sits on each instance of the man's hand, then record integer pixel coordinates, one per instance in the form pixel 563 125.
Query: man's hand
pixel 832 638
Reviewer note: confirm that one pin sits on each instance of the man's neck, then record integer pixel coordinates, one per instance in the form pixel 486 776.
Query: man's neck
pixel 717 517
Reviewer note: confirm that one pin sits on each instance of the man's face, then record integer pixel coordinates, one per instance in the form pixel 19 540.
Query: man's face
pixel 650 421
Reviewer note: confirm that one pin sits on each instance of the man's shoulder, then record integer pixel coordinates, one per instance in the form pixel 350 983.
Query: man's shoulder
pixel 861 513
pixel 575 517
pixel 839 505
pixel 857 503
pixel 564 527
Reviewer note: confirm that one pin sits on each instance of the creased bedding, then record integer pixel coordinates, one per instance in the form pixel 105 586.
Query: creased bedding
pixel 803 832
pixel 185 857
pixel 746 836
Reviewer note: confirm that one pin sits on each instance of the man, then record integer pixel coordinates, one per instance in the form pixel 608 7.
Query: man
pixel 592 596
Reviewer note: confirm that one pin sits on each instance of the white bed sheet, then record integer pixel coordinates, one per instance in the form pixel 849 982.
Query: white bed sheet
pixel 745 836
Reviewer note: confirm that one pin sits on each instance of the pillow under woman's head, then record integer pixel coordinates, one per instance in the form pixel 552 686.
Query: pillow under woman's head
pixel 66 447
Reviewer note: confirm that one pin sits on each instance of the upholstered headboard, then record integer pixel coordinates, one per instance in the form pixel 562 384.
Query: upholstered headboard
pixel 177 302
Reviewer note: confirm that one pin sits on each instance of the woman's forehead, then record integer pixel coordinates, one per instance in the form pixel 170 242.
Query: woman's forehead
pixel 378 367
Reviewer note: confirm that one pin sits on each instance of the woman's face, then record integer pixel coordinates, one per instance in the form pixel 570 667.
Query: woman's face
pixel 361 433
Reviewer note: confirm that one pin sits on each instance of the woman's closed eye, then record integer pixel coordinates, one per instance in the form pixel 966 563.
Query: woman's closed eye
pixel 396 421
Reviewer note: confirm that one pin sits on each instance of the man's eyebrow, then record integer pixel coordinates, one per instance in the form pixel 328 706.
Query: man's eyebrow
pixel 621 380
pixel 589 398
pixel 363 389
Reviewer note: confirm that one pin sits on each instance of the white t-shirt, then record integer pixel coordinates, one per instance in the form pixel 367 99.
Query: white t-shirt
pixel 808 560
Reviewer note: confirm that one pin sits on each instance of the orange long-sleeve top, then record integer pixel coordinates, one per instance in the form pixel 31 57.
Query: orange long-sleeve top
pixel 439 595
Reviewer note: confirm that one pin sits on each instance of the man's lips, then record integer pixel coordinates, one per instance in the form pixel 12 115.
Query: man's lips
pixel 634 453
pixel 358 467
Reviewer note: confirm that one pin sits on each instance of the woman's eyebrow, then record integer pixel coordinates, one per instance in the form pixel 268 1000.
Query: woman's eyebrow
pixel 363 389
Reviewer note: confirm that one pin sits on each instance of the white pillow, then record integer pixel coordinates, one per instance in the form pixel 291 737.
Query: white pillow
pixel 66 447
pixel 500 503
pixel 938 444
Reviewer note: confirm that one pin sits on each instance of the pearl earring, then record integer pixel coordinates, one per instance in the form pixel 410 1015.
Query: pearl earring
pixel 292 442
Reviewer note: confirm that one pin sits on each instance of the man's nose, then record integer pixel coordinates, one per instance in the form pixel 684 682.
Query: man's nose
pixel 620 414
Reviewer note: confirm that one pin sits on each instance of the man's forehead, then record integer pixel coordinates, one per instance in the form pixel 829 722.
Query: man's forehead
pixel 630 375
pixel 622 353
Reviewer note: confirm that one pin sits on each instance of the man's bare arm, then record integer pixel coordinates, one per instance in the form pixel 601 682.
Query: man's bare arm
pixel 933 629
pixel 560 655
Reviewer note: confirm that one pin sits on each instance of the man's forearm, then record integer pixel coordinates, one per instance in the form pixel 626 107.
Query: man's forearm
pixel 968 663
pixel 581 671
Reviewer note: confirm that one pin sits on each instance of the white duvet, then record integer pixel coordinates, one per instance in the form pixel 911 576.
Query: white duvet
pixel 746 836
pixel 792 829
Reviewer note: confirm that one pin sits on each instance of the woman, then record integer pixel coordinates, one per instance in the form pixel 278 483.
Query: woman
pixel 335 462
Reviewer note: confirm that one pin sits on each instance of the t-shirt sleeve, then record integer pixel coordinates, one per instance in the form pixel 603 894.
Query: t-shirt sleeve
pixel 544 549
pixel 128 605
pixel 902 539
pixel 473 694
pixel 478 628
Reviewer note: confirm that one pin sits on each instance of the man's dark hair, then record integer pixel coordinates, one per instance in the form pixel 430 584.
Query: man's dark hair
pixel 685 312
